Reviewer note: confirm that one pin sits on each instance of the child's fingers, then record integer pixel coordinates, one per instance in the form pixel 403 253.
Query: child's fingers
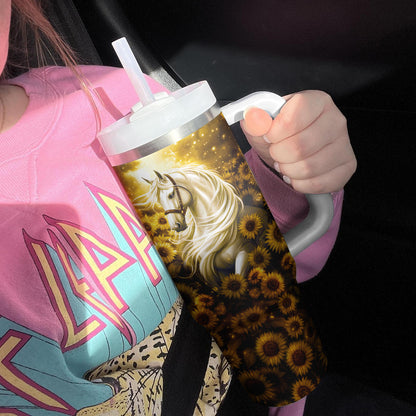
pixel 256 122
pixel 325 130
pixel 331 181
pixel 326 159
pixel 300 111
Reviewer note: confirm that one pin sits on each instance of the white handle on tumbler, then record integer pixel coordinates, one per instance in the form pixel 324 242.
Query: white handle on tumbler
pixel 321 209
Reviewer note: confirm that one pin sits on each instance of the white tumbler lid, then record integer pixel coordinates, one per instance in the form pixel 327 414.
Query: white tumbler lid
pixel 151 121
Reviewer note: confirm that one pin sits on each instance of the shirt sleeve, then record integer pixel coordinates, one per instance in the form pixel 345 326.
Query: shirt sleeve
pixel 289 208
pixel 292 409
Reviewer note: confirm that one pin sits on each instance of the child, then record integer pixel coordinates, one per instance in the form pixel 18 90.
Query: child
pixel 90 321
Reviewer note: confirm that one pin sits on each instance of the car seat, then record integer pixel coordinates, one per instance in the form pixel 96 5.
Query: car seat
pixel 364 56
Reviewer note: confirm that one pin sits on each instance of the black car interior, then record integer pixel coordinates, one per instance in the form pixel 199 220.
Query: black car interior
pixel 364 55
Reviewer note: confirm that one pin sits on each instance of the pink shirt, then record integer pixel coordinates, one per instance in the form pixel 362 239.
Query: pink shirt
pixel 62 212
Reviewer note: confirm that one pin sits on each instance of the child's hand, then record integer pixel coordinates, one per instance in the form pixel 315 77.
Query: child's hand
pixel 307 142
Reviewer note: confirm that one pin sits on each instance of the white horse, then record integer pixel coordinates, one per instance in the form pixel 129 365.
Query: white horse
pixel 204 210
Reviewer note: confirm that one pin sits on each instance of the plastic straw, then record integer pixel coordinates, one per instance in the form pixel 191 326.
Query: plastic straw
pixel 133 70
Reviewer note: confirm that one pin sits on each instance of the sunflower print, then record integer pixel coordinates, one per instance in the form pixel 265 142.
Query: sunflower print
pixel 254 317
pixel 250 226
pixel 271 348
pixel 233 286
pixel 205 317
pixel 233 358
pixel 238 324
pixel 302 388
pixel 294 326
pixel 166 252
pixel 244 172
pixel 160 221
pixel 272 285
pixel 147 223
pixel 287 262
pixel 275 239
pixel 300 357
pixel 254 293
pixel 287 303
pixel 257 385
pixel 255 276
pixel 204 300
pixel 259 257
pixel 174 267
pixel 257 317
pixel 188 294
pixel 252 197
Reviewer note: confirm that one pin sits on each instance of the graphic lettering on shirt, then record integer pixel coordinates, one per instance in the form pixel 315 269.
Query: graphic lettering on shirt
pixel 130 228
pixel 11 412
pixel 11 343
pixel 86 245
pixel 74 334
pixel 104 283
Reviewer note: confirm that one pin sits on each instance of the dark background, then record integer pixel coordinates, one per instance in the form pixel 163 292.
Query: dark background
pixel 362 53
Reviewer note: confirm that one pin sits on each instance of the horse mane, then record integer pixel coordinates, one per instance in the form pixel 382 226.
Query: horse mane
pixel 204 237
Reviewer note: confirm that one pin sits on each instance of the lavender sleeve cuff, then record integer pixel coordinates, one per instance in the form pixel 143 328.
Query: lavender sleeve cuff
pixel 290 207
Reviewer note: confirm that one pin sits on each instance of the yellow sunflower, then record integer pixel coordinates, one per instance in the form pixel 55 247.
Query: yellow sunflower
pixel 250 225
pixel 274 238
pixel 254 317
pixel 277 377
pixel 257 386
pixel 259 257
pixel 244 171
pixel 148 224
pixel 254 292
pixel 287 303
pixel 160 221
pixel 233 286
pixel 175 266
pixel 166 252
pixel 251 181
pixel 294 326
pixel 255 276
pixel 204 300
pixel 161 238
pixel 287 262
pixel 205 317
pixel 238 324
pixel 188 294
pixel 232 357
pixel 252 197
pixel 300 357
pixel 271 348
pixel 302 388
pixel 272 285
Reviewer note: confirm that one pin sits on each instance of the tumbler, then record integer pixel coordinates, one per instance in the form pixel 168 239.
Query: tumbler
pixel 183 170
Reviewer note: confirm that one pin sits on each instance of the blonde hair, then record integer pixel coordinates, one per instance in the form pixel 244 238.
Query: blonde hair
pixel 33 38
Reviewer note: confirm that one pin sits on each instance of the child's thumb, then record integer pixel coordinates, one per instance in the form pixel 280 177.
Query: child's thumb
pixel 256 122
